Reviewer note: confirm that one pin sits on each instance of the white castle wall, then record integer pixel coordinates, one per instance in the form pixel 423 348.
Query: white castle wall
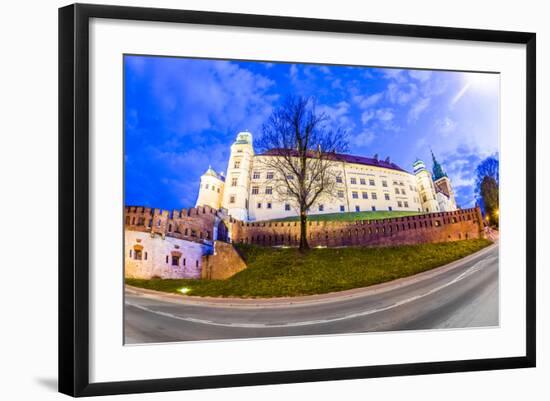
pixel 159 261
pixel 399 186
pixel 210 192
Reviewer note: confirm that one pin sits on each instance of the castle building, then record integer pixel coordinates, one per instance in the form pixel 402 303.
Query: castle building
pixel 212 185
pixel 444 190
pixel 246 192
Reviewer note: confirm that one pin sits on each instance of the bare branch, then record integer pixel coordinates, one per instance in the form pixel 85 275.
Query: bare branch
pixel 300 149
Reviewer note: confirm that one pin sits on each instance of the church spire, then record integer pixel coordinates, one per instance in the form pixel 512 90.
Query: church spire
pixel 437 169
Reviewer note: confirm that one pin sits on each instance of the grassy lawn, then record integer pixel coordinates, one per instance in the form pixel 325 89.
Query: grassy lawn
pixel 352 216
pixel 275 272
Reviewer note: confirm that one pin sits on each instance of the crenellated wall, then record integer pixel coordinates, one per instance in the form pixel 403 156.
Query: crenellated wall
pixel 192 243
pixel 433 227
pixel 199 224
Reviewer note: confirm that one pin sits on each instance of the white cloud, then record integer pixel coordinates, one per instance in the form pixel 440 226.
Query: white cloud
pixel 420 75
pixel 401 94
pixel 366 116
pixel 366 101
pixel 338 115
pixel 220 94
pixel 362 139
pixel 367 74
pixel 395 74
pixel 445 126
pixel 418 108
pixel 337 84
pixel 293 72
pixel 385 115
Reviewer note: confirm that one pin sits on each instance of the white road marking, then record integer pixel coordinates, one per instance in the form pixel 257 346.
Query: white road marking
pixel 472 270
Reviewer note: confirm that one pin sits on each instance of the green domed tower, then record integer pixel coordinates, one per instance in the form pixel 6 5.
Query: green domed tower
pixel 437 169
pixel 443 187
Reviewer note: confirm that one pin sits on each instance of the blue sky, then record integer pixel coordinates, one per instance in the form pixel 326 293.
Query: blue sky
pixel 181 115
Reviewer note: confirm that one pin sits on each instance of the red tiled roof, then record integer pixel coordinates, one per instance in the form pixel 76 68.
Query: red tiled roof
pixel 368 161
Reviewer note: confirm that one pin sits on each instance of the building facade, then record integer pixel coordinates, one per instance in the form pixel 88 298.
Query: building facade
pixel 247 193
pixel 170 244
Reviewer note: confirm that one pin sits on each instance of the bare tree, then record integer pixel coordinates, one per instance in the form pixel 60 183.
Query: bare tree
pixel 300 148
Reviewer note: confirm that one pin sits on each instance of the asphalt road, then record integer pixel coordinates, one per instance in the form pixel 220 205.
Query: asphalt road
pixel 464 294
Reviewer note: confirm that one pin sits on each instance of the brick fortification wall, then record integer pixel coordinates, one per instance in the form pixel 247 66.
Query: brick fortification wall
pixel 433 227
pixel 200 224
pixel 223 263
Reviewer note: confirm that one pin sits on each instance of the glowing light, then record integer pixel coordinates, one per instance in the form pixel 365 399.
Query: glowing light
pixel 479 82
pixel 184 290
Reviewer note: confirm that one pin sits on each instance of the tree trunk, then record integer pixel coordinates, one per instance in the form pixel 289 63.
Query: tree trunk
pixel 304 246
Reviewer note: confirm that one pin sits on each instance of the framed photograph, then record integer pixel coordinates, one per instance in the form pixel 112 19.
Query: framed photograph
pixel 251 199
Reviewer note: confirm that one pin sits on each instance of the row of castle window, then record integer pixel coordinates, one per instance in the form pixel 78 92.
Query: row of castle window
pixel 137 254
pixel 364 195
pixel 321 208
pixel 339 180
pixel 213 187
pixel 354 194
pixel 362 181
pixel 176 261
pixel 397 191
pixel 269 175
pixel 256 175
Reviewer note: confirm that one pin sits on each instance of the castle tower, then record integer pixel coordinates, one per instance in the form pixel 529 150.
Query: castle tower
pixel 442 185
pixel 426 188
pixel 211 189
pixel 237 187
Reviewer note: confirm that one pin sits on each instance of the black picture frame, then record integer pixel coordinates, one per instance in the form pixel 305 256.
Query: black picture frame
pixel 74 198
